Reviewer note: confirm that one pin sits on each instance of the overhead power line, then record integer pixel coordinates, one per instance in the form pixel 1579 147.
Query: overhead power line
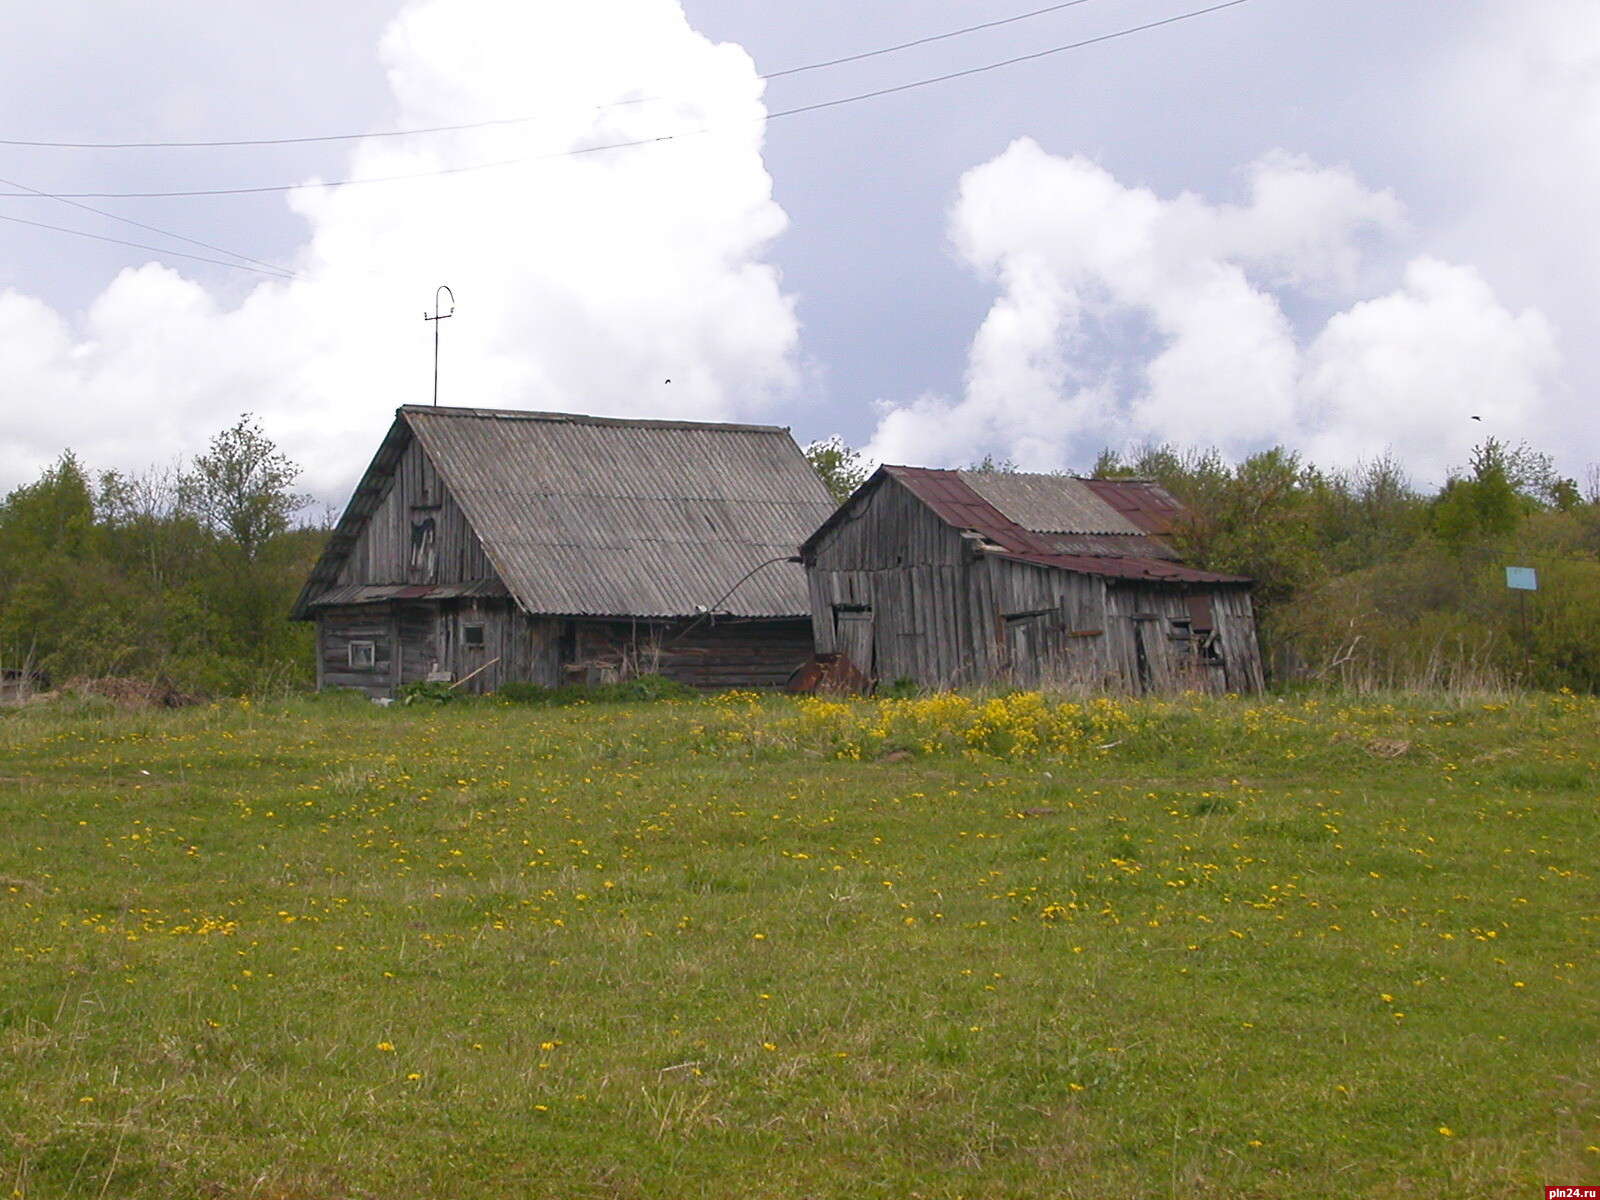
pixel 267 268
pixel 1008 62
pixel 502 121
pixel 923 41
pixel 141 246
pixel 638 142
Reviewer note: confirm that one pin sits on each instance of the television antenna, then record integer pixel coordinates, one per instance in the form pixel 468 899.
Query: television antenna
pixel 436 318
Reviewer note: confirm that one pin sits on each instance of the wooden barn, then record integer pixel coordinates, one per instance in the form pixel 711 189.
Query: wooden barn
pixel 486 546
pixel 955 578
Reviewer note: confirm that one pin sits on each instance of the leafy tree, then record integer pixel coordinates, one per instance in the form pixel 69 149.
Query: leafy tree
pixel 842 468
pixel 1250 519
pixel 186 575
pixel 990 465
pixel 1367 515
pixel 240 487
pixel 53 517
pixel 1484 503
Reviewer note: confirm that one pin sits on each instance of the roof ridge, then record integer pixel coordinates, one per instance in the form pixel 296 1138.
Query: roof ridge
pixel 516 414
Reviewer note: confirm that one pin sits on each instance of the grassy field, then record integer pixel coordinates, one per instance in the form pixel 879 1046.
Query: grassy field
pixel 754 948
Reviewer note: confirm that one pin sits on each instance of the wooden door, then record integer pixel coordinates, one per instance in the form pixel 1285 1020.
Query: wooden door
pixel 852 636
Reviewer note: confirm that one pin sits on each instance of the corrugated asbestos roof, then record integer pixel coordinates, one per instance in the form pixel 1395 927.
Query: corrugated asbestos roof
pixel 1048 539
pixel 592 516
pixel 1048 503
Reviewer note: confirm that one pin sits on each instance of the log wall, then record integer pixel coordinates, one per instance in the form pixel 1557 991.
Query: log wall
pixel 742 653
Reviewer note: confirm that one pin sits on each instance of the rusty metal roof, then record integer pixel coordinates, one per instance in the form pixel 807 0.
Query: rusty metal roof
pixel 1145 503
pixel 594 516
pixel 955 497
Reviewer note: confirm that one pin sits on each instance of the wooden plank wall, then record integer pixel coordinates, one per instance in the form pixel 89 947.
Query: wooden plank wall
pixel 383 551
pixel 887 528
pixel 893 556
pixel 1051 628
pixel 515 647
pixel 945 615
pixel 1235 615
pixel 721 654
pixel 1171 665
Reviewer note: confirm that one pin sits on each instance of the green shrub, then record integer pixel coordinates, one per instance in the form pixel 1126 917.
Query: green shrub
pixel 642 687
pixel 428 692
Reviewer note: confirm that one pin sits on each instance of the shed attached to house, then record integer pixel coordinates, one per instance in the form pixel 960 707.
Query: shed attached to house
pixel 486 546
pixel 956 578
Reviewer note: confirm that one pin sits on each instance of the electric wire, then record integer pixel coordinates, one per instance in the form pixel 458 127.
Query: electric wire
pixel 269 268
pixel 276 274
pixel 923 41
pixel 501 121
pixel 1008 62
pixel 628 145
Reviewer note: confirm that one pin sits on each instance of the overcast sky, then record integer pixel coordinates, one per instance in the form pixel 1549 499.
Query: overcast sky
pixel 1347 227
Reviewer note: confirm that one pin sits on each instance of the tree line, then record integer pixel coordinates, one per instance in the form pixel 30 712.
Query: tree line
pixel 183 575
pixel 1363 580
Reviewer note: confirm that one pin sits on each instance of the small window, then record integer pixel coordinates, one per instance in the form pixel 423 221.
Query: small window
pixel 472 637
pixel 363 656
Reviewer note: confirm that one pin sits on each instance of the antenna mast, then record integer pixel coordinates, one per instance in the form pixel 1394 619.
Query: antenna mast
pixel 436 318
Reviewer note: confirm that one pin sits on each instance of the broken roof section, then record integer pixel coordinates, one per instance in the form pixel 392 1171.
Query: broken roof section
pixel 1098 527
pixel 594 516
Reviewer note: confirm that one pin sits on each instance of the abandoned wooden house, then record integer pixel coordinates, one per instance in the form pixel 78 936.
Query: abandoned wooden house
pixel 955 578
pixel 486 546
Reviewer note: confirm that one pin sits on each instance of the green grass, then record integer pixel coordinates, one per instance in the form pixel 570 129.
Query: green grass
pixel 1206 949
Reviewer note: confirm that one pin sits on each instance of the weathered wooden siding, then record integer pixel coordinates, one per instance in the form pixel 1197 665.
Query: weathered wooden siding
pixel 1048 627
pixel 890 585
pixel 751 653
pixel 1159 651
pixel 888 528
pixel 417 534
pixel 1236 633
pixel 508 645
pixel 905 595
pixel 412 641
pixel 337 628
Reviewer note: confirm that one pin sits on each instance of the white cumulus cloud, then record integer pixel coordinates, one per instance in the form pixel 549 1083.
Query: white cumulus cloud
pixel 584 280
pixel 1125 317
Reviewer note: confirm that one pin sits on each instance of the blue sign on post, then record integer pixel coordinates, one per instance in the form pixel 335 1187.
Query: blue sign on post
pixel 1522 579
